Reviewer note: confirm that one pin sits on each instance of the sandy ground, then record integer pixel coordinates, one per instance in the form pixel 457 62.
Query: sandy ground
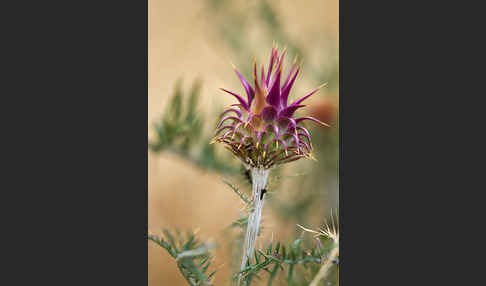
pixel 180 194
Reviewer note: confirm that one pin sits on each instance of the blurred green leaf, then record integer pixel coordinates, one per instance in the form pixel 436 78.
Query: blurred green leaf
pixel 193 259
pixel 180 131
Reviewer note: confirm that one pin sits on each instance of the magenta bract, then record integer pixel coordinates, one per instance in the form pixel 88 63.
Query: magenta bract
pixel 262 130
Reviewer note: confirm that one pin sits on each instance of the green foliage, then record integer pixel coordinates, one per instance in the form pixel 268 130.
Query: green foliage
pixel 238 192
pixel 192 257
pixel 288 259
pixel 180 131
pixel 241 223
pixel 180 124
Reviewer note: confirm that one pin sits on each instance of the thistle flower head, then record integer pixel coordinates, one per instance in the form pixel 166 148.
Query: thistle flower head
pixel 262 130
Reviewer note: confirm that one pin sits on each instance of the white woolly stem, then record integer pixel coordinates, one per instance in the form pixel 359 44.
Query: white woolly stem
pixel 259 178
pixel 326 266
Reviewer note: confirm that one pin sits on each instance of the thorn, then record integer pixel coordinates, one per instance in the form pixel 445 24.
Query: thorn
pixel 322 123
pixel 323 85
pixel 312 157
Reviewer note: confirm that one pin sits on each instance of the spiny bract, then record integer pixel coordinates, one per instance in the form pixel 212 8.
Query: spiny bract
pixel 262 131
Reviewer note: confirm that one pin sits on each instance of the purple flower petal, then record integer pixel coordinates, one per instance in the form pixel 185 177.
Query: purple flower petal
pixel 258 89
pixel 286 123
pixel 287 87
pixel 235 128
pixel 270 65
pixel 292 69
pixel 303 129
pixel 263 75
pixel 289 159
pixel 276 130
pixel 284 144
pixel 269 114
pixel 273 97
pixel 242 141
pixel 296 138
pixel 305 133
pixel 226 118
pixel 305 145
pixel 232 110
pixel 259 135
pixel 272 128
pixel 300 119
pixel 298 101
pixel 280 60
pixel 227 133
pixel 249 90
pixel 289 110
pixel 305 136
pixel 243 103
pixel 221 129
pixel 239 105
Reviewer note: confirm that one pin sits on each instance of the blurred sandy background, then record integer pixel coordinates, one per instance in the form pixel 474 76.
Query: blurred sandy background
pixel 181 43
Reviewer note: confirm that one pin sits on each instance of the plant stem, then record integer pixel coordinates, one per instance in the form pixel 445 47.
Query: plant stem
pixel 325 267
pixel 259 177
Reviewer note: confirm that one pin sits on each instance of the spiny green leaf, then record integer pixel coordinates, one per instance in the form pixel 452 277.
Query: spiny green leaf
pixel 193 99
pixel 176 102
pixel 273 274
pixel 187 258
pixel 291 271
pixel 269 249
pixel 277 248
pixel 205 267
pixel 204 260
pixel 238 192
pixel 189 243
pixel 211 274
pixel 171 239
pixel 241 222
